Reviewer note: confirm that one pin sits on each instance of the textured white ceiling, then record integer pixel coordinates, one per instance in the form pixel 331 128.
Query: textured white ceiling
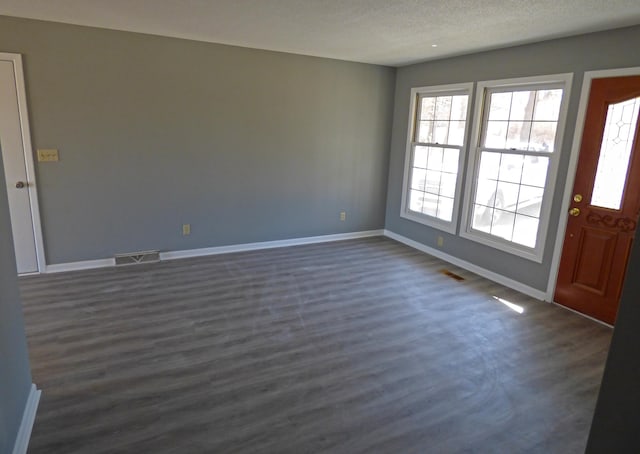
pixel 387 32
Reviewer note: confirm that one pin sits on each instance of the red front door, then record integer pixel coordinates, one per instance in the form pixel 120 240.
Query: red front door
pixel 605 202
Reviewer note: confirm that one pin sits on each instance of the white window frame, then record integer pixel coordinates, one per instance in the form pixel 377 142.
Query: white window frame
pixel 416 93
pixel 479 124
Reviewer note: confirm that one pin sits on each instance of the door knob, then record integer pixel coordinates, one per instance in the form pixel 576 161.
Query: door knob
pixel 574 211
pixel 20 185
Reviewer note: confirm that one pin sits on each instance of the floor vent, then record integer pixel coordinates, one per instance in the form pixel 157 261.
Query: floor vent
pixel 132 258
pixel 452 275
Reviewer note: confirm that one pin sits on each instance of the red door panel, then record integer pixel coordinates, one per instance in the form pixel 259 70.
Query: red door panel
pixel 598 239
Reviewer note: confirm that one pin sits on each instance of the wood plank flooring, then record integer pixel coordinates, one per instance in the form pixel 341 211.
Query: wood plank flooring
pixel 357 346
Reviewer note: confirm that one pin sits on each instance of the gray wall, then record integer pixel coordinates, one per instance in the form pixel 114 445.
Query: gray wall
pixel 611 49
pixel 15 376
pixel 153 132
pixel 615 423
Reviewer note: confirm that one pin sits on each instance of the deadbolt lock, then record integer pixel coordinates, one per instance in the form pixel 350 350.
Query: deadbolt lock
pixel 577 198
pixel 20 185
pixel 574 211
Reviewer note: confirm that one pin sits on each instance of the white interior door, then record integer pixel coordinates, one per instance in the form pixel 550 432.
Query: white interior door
pixel 20 182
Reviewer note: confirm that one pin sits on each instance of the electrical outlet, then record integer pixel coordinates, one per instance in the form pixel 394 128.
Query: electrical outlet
pixel 186 229
pixel 48 155
pixel 440 241
pixel 343 215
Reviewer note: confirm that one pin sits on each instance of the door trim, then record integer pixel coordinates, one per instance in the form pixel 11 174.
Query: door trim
pixel 573 166
pixel 27 149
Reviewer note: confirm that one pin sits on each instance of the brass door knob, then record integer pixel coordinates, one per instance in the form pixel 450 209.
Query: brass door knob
pixel 20 185
pixel 574 211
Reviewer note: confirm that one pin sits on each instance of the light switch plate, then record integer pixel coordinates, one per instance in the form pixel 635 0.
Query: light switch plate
pixel 47 155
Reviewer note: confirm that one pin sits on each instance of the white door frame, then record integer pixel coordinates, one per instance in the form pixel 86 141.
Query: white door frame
pixel 27 149
pixel 573 165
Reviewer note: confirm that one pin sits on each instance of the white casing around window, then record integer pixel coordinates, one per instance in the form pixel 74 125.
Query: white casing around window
pixel 439 90
pixel 466 231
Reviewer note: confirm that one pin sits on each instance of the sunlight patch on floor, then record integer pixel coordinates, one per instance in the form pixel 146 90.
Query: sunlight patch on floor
pixel 510 305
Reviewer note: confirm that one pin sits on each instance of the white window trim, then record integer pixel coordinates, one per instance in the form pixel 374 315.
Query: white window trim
pixel 432 221
pixel 534 254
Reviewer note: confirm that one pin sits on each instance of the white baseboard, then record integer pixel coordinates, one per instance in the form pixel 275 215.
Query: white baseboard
pixel 84 265
pixel 28 418
pixel 495 277
pixel 172 255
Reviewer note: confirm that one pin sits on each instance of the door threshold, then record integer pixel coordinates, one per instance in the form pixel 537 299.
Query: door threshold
pixel 583 315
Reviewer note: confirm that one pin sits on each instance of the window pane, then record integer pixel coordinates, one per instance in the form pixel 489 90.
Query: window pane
pixel 418 177
pixel 499 106
pixel 459 108
pixel 420 157
pixel 482 218
pixel 435 159
pixel 518 135
pixel 428 109
pixel 448 185
pixel 425 131
pixel 456 133
pixel 441 132
pixel 432 190
pixel 442 119
pixel 443 108
pixel 615 152
pixel 433 182
pixel 543 135
pixel 525 230
pixel 430 204
pixel 445 208
pixel 522 105
pixel 496 135
pixel 530 201
pixel 485 192
pixel 502 224
pixel 489 165
pixel 506 196
pixel 415 201
pixel 450 160
pixel 534 172
pixel 511 168
pixel 503 199
pixel 532 120
pixel 547 105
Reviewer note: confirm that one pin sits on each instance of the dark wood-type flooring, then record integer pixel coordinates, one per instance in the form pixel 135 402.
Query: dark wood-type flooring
pixel 359 346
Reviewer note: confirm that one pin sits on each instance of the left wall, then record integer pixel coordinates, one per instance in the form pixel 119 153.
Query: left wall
pixel 244 145
pixel 15 374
